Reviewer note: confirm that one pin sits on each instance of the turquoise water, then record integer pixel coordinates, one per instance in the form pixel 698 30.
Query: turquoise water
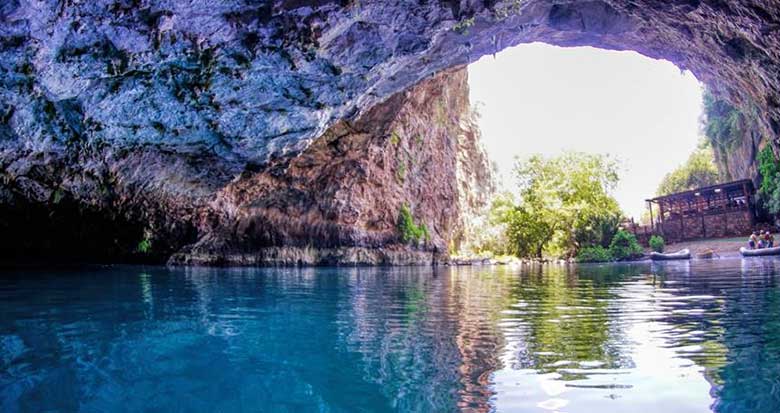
pixel 679 337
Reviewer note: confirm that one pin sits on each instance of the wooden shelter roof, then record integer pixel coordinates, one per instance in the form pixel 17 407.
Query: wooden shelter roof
pixel 724 187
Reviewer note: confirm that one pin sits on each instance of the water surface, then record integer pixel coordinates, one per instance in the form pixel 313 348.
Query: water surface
pixel 676 337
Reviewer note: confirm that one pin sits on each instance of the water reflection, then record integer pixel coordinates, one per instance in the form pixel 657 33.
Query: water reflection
pixel 699 336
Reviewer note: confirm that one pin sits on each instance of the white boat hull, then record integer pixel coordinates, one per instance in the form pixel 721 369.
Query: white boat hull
pixel 761 252
pixel 684 254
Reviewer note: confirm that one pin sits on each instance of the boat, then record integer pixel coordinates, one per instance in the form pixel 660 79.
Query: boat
pixel 684 254
pixel 746 252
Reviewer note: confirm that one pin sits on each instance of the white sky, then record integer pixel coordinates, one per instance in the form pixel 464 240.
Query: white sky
pixel 538 98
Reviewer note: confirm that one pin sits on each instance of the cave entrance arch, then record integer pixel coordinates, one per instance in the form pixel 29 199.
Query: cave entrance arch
pixel 201 125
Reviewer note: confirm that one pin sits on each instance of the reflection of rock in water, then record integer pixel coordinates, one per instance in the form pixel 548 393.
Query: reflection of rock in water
pixel 748 378
pixel 430 342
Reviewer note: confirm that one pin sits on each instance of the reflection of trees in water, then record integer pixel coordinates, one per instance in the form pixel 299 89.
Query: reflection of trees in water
pixel 560 318
pixel 431 342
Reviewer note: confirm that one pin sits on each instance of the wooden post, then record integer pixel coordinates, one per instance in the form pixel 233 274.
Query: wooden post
pixel 650 205
pixel 682 223
pixel 661 212
pixel 748 204
pixel 703 225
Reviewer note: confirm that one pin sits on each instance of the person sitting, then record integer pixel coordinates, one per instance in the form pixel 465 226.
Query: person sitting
pixel 753 240
pixel 770 239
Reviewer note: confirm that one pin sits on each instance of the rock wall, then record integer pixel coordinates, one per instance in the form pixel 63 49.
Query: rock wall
pixel 336 202
pixel 161 121
pixel 250 80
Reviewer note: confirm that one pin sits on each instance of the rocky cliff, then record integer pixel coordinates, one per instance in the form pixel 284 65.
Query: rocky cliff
pixel 339 200
pixel 336 202
pixel 221 124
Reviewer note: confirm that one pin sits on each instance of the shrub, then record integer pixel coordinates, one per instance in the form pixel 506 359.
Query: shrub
pixel 657 243
pixel 463 26
pixel 594 254
pixel 144 246
pixel 395 139
pixel 769 191
pixel 410 232
pixel 624 246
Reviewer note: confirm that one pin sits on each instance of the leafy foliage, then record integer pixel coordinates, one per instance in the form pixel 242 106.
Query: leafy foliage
pixel 699 170
pixel 463 26
pixel 395 139
pixel 769 191
pixel 598 229
pixel 624 246
pixel 724 126
pixel 486 233
pixel 657 243
pixel 400 172
pixel 595 253
pixel 565 203
pixel 144 246
pixel 411 232
pixel 530 230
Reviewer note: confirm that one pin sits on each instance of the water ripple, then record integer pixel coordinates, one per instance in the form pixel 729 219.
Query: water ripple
pixel 682 337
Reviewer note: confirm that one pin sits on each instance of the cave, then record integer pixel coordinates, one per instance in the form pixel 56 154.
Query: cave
pixel 296 132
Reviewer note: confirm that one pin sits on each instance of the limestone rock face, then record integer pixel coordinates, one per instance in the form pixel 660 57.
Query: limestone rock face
pixel 191 122
pixel 336 202
pixel 339 200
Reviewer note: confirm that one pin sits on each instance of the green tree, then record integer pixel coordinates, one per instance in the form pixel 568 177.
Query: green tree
pixel 594 254
pixel 699 170
pixel 565 203
pixel 624 246
pixel 487 232
pixel 769 191
pixel 657 243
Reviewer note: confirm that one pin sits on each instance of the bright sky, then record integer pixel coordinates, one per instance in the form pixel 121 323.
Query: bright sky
pixel 538 98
